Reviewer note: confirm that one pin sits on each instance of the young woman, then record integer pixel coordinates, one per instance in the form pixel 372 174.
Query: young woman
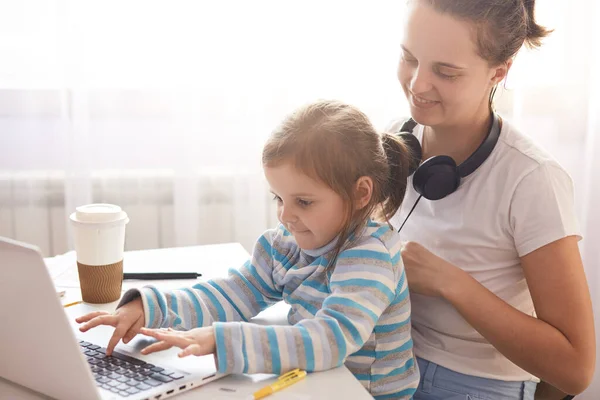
pixel 498 289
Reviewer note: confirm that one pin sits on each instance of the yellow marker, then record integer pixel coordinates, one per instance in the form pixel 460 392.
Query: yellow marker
pixel 283 381
pixel 73 304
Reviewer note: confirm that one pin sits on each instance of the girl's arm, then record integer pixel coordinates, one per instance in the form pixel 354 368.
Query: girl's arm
pixel 365 281
pixel 241 296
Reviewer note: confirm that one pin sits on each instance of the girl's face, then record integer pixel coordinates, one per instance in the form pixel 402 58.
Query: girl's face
pixel 444 79
pixel 310 210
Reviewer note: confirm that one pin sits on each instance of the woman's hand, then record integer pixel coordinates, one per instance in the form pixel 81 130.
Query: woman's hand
pixel 197 342
pixel 427 273
pixel 127 321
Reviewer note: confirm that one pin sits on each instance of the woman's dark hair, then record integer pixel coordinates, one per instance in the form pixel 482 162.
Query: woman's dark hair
pixel 501 26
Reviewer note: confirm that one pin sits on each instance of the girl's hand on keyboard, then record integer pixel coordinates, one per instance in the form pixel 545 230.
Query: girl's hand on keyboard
pixel 197 342
pixel 127 320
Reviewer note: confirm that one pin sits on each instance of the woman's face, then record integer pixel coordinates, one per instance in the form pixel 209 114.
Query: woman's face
pixel 444 79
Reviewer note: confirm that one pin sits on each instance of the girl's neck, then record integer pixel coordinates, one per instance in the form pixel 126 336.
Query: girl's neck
pixel 457 141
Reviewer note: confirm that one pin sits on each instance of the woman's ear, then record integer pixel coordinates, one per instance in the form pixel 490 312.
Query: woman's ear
pixel 363 191
pixel 501 71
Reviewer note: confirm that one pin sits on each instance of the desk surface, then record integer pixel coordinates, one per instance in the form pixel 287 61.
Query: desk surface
pixel 212 261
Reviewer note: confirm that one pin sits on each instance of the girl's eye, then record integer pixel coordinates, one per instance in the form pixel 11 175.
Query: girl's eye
pixel 304 203
pixel 277 198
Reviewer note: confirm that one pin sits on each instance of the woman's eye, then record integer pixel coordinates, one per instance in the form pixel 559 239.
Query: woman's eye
pixel 304 203
pixel 277 198
pixel 408 59
pixel 446 76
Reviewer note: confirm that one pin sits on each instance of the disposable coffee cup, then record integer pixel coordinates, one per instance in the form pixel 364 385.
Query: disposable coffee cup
pixel 99 235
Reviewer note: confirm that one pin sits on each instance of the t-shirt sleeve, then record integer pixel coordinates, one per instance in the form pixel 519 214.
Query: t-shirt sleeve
pixel 542 209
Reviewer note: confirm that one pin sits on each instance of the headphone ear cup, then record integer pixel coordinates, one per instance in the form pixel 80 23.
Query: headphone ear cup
pixel 414 147
pixel 436 178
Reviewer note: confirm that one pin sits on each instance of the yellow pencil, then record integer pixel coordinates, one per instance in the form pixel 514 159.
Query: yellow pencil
pixel 282 382
pixel 73 304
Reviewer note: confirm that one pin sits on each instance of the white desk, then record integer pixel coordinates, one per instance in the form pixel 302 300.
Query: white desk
pixel 212 261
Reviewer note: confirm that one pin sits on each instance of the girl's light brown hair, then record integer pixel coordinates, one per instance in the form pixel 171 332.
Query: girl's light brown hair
pixel 335 143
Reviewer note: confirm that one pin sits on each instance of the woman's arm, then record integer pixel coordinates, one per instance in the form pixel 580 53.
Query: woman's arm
pixel 559 345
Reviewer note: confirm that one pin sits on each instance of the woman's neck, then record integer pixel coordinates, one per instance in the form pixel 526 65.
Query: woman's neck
pixel 457 141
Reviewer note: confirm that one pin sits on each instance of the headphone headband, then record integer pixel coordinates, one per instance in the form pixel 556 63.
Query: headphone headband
pixel 439 176
pixel 476 159
pixel 408 125
pixel 483 151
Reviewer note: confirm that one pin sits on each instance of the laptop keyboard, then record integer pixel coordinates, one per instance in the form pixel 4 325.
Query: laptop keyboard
pixel 123 374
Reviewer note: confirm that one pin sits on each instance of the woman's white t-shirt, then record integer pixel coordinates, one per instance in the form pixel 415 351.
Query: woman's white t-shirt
pixel 517 201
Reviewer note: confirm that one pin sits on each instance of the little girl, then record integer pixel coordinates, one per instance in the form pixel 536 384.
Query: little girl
pixel 340 271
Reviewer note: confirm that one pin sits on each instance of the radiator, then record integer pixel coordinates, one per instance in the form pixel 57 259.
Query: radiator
pixel 32 208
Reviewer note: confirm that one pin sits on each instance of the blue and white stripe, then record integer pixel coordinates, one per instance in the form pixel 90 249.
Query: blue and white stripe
pixel 356 312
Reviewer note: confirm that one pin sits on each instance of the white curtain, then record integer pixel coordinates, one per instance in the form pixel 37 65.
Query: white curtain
pixel 163 107
pixel 93 92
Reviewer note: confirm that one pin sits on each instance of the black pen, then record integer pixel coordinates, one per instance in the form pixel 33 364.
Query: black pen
pixel 160 275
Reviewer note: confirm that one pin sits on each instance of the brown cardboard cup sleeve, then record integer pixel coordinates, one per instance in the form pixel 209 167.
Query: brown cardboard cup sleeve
pixel 100 283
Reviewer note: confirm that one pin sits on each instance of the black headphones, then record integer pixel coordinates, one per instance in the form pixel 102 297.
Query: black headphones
pixel 439 176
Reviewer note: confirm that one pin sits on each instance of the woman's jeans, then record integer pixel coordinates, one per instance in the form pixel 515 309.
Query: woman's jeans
pixel 439 383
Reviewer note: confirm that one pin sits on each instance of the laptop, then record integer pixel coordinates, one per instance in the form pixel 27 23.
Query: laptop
pixel 41 349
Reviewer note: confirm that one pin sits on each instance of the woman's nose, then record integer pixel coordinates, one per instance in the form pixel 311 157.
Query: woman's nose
pixel 420 82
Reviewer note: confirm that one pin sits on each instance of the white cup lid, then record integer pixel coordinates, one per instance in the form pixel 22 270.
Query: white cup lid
pixel 98 214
